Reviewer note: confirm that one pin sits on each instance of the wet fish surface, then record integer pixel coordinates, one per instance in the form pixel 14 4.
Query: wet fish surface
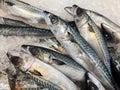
pixel 42 83
pixel 112 37
pixel 82 20
pixel 52 57
pixel 61 59
pixel 12 22
pixel 36 66
pixel 54 23
pixel 93 83
pixel 40 53
pixel 8 30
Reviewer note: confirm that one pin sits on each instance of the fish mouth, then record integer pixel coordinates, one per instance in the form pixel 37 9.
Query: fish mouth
pixel 71 10
pixel 25 49
pixel 7 2
pixel 47 17
pixel 74 10
pixel 29 49
pixel 14 58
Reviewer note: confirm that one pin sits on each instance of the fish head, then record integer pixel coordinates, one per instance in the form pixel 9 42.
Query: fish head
pixel 75 11
pixel 51 19
pixel 20 60
pixel 30 49
pixel 7 3
pixel 37 52
pixel 14 57
pixel 57 25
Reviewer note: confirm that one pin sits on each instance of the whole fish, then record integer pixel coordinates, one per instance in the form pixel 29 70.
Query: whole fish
pixel 69 67
pixel 28 63
pixel 8 30
pixel 12 22
pixel 90 32
pixel 114 50
pixel 30 14
pixel 61 30
pixel 99 18
pixel 48 54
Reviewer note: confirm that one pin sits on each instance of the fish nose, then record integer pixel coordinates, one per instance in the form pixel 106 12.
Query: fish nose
pixel 69 10
pixel 24 47
pixel 9 55
pixel 46 13
pixel 14 59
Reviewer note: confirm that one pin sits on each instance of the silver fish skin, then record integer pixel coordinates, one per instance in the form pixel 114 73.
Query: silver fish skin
pixel 82 19
pixel 60 29
pixel 27 63
pixel 23 10
pixel 69 67
pixel 97 83
pixel 50 56
pixel 73 73
pixel 12 22
pixel 8 30
pixel 38 88
pixel 70 46
pixel 42 83
pixel 99 18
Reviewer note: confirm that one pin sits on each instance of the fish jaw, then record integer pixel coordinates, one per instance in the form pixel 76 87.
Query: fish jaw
pixel 14 58
pixel 25 49
pixel 20 60
pixel 74 10
pixel 70 10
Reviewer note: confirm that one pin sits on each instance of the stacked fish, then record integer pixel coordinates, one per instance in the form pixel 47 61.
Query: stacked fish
pixel 81 55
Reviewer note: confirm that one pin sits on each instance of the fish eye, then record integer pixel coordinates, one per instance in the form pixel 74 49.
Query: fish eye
pixel 15 60
pixel 79 12
pixel 9 3
pixel 32 50
pixel 54 19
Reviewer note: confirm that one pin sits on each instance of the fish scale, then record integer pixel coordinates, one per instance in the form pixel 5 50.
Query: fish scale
pixel 64 58
pixel 80 15
pixel 8 30
pixel 92 54
pixel 59 26
pixel 35 66
pixel 102 45
pixel 12 22
pixel 42 83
